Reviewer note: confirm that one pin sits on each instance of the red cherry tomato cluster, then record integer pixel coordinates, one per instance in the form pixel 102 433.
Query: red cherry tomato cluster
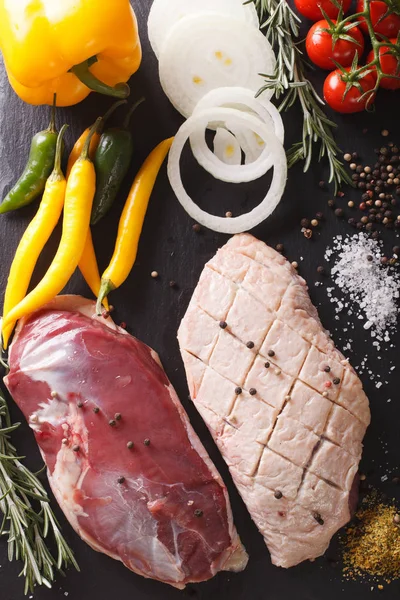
pixel 332 42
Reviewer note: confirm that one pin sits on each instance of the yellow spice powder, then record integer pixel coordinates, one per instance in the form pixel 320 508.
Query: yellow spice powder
pixel 371 544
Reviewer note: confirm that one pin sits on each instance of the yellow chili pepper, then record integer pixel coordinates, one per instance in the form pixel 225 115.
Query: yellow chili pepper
pixel 80 190
pixel 89 268
pixel 78 147
pixel 131 222
pixel 35 238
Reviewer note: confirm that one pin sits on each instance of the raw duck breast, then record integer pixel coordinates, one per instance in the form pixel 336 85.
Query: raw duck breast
pixel 285 408
pixel 123 461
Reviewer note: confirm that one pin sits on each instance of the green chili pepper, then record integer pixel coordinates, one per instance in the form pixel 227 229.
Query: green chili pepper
pixel 112 160
pixel 40 164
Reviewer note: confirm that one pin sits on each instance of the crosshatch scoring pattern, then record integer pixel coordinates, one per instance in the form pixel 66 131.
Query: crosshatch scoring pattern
pixel 285 408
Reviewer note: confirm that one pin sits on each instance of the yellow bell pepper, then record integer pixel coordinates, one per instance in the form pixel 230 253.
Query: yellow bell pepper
pixel 68 48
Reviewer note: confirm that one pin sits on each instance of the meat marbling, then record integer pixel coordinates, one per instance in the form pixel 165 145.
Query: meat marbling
pixel 285 408
pixel 160 506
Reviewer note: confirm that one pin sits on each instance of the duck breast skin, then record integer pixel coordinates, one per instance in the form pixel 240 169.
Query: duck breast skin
pixel 285 408
pixel 123 461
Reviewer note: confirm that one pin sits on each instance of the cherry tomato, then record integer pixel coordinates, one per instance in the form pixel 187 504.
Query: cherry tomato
pixel 334 88
pixel 388 26
pixel 390 66
pixel 312 8
pixel 320 51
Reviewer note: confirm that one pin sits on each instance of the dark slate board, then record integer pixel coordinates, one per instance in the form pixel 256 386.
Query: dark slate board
pixel 152 311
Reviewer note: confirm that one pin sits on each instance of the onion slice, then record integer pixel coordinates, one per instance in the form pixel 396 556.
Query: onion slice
pixel 245 222
pixel 227 148
pixel 234 119
pixel 165 13
pixel 207 51
pixel 244 99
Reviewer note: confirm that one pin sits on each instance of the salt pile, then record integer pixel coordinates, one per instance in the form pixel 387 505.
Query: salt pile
pixel 370 291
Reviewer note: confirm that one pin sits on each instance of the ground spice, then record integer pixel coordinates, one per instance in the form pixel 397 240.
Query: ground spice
pixel 371 544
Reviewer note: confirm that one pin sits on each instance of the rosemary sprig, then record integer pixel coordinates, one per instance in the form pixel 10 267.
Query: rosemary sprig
pixel 282 28
pixel 27 516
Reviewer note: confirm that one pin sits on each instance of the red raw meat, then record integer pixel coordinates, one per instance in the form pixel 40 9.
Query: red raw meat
pixel 88 390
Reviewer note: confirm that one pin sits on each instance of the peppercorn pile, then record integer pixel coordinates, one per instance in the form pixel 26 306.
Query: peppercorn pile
pixel 371 543
pixel 380 184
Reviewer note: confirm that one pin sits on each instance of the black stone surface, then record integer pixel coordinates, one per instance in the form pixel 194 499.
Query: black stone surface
pixel 152 310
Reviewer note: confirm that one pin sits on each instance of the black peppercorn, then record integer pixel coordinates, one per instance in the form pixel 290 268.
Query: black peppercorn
pixel 332 204
pixel 223 324
pixel 279 247
pixel 278 495
pixel 320 270
pixel 250 345
pixel 252 391
pixel 305 223
pixel 238 391
pixel 271 353
pixel 339 212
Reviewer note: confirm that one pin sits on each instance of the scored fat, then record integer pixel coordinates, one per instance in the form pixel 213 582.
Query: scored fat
pixel 284 406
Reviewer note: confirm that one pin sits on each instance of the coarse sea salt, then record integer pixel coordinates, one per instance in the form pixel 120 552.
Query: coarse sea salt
pixel 371 289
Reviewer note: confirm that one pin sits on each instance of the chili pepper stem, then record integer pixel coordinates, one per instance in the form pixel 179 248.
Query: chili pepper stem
pixel 52 126
pixel 94 129
pixel 82 72
pixel 106 288
pixel 108 114
pixel 128 117
pixel 57 174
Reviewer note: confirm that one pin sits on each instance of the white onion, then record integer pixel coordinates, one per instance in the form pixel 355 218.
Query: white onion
pixel 231 173
pixel 244 99
pixel 241 99
pixel 199 122
pixel 207 51
pixel 227 148
pixel 165 13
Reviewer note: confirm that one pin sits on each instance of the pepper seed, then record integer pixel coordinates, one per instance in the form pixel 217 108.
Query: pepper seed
pixel 318 518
